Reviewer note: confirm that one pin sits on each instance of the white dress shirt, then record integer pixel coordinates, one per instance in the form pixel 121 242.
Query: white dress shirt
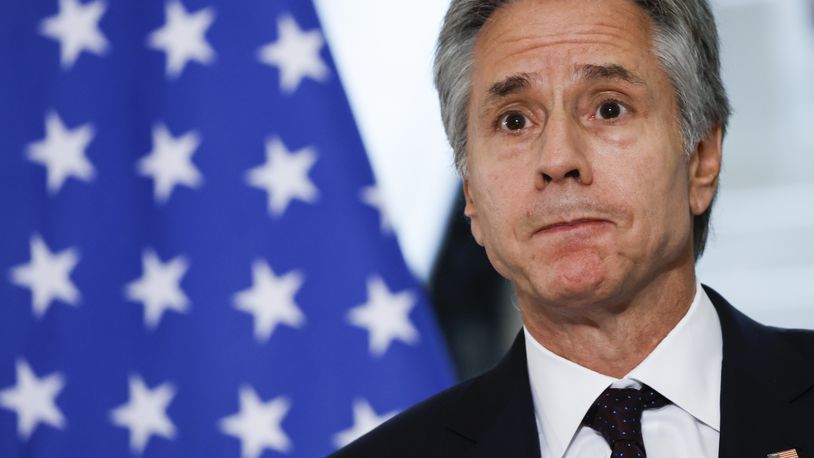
pixel 685 367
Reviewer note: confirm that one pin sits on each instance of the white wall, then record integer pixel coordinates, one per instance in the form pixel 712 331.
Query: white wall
pixel 761 255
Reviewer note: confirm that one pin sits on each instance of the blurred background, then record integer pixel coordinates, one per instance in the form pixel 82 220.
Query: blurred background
pixel 760 254
pixel 232 227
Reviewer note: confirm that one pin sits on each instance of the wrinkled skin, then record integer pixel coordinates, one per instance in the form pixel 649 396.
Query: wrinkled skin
pixel 578 185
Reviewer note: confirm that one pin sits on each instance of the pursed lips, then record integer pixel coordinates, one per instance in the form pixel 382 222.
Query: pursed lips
pixel 572 225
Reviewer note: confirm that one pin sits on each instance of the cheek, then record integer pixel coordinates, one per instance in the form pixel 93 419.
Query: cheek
pixel 646 177
pixel 670 190
pixel 500 215
pixel 660 196
pixel 500 193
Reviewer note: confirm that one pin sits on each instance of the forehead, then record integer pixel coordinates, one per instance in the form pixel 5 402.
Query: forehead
pixel 549 36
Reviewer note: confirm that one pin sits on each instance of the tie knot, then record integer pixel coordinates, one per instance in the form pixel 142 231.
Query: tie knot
pixel 617 415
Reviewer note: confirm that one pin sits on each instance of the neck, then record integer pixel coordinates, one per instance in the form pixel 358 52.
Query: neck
pixel 614 336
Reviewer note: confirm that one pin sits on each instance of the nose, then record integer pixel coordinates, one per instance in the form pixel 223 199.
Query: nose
pixel 562 153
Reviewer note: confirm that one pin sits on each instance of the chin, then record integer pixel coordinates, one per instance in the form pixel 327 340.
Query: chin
pixel 575 279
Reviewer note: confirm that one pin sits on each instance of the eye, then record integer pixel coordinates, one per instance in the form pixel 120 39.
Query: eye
pixel 513 121
pixel 610 109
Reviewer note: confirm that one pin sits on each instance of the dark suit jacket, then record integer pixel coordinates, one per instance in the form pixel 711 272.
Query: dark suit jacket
pixel 767 402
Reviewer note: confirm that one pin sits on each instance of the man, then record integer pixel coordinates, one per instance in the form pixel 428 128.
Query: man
pixel 588 134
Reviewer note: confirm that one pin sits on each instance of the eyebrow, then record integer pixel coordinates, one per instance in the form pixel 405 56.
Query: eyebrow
pixel 591 72
pixel 509 85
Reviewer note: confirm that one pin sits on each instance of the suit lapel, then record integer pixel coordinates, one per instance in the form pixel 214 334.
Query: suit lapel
pixel 762 375
pixel 496 411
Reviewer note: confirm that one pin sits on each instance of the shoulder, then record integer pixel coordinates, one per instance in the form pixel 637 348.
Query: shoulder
pixel 766 373
pixel 418 431
pixel 754 335
pixel 489 415
pixel 779 358
pixel 800 338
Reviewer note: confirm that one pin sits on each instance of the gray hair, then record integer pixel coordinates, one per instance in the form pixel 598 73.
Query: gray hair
pixel 685 41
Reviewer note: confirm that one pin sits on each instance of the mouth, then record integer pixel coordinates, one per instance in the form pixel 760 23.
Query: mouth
pixel 581 224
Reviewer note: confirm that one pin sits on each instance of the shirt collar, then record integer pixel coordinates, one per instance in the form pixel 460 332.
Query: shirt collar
pixel 685 367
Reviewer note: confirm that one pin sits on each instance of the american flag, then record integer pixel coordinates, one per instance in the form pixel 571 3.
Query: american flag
pixel 195 256
pixel 791 453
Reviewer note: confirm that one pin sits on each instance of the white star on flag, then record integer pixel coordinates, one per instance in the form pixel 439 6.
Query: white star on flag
pixel 158 288
pixel 47 275
pixel 62 152
pixel 182 37
pixel 271 300
pixel 295 53
pixel 284 176
pixel 364 420
pixel 385 316
pixel 76 27
pixel 170 162
pixel 258 425
pixel 145 413
pixel 372 195
pixel 33 399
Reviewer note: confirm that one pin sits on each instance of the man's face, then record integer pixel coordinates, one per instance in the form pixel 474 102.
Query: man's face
pixel 577 185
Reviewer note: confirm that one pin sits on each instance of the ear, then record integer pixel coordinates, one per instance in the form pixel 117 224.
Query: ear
pixel 705 167
pixel 472 213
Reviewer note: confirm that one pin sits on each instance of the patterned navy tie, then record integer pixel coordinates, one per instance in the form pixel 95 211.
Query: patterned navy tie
pixel 617 415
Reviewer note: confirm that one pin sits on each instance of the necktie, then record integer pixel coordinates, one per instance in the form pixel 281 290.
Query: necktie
pixel 617 415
